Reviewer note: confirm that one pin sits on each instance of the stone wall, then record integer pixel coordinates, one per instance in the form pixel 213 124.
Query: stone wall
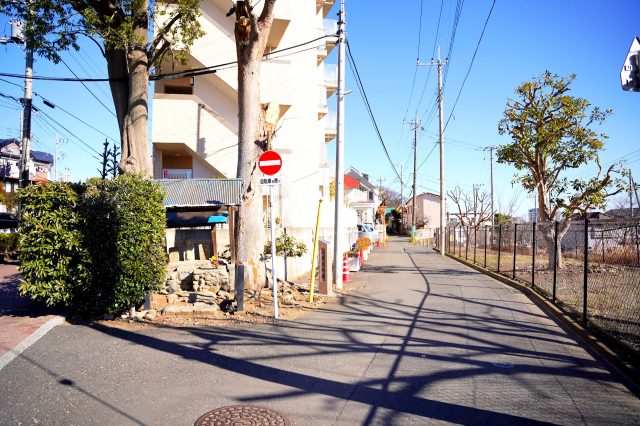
pixel 193 286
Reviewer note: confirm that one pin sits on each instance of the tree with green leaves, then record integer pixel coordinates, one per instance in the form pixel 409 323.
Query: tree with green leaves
pixel 552 133
pixel 133 36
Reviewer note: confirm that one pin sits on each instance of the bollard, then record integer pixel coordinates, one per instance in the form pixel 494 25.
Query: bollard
pixel 345 268
pixel 239 285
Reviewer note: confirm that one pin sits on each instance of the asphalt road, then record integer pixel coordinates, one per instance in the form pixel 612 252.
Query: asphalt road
pixel 424 340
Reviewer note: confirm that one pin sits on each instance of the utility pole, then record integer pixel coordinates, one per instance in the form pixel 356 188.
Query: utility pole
pixel 416 125
pixel 441 125
pixel 401 200
pixel 17 36
pixel 55 160
pixel 415 172
pixel 337 231
pixel 441 128
pixel 26 127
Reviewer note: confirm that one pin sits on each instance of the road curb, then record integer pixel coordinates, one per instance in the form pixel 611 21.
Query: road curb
pixel 629 373
pixel 11 354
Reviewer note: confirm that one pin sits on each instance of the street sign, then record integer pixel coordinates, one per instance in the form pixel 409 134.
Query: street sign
pixel 270 181
pixel 270 163
pixel 629 76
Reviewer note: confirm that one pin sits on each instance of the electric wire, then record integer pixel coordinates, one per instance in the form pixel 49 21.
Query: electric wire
pixel 454 29
pixel 433 52
pixel 74 116
pixel 174 75
pixel 87 87
pixel 473 58
pixel 70 132
pixel 368 107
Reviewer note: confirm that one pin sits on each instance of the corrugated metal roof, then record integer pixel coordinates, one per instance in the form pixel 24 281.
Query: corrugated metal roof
pixel 201 192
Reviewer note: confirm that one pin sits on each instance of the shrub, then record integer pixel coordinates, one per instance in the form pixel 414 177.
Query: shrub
pixel 8 242
pixel 124 234
pixel 52 260
pixel 286 246
pixel 98 247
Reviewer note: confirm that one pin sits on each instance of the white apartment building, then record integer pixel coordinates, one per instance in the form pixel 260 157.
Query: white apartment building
pixel 195 120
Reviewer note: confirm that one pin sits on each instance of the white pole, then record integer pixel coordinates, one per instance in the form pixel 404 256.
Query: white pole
pixel 442 197
pixel 337 232
pixel 273 255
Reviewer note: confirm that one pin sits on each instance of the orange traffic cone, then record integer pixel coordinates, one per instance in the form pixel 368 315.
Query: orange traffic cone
pixel 345 268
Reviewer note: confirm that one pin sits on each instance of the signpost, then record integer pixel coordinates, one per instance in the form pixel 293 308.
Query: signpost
pixel 270 163
pixel 630 75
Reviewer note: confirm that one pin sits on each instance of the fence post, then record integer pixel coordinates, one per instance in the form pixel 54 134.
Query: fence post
pixel 460 242
pixel 466 247
pixel 515 239
pixel 454 239
pixel 533 258
pixel 485 245
pixel 637 246
pixel 555 259
pixel 499 245
pixel 447 243
pixel 475 241
pixel 586 269
pixel 602 242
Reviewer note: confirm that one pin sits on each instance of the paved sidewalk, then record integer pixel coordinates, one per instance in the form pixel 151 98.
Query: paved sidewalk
pixel 18 318
pixel 423 340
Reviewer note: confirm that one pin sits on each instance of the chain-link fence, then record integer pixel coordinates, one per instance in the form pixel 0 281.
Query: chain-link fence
pixel 591 268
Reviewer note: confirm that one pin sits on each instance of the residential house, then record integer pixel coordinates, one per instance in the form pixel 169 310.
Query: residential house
pixel 40 170
pixel 361 195
pixel 195 120
pixel 427 211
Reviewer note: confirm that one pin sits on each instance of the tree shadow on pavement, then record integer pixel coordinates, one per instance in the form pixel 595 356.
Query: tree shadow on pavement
pixel 398 332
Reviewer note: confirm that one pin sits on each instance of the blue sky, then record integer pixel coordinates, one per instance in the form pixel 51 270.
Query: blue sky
pixel 522 40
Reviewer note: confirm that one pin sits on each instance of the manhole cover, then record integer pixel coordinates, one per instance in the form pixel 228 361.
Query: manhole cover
pixel 241 415
pixel 503 364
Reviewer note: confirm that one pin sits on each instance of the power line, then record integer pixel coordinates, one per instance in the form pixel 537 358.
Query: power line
pixel 368 106
pixel 70 132
pixel 471 64
pixel 433 52
pixel 46 101
pixel 87 87
pixel 174 75
pixel 454 29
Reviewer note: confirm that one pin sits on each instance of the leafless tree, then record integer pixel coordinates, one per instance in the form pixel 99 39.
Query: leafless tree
pixel 473 209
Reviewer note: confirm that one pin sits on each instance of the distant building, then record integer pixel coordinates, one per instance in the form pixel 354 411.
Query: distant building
pixel 427 210
pixel 361 195
pixel 40 170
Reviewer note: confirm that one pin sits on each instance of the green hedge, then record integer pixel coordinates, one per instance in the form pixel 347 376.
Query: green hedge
pixel 119 254
pixel 9 243
pixel 53 261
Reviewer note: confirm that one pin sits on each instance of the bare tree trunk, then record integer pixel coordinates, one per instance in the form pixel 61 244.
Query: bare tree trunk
pixel 251 38
pixel 135 137
pixel 549 237
pixel 129 84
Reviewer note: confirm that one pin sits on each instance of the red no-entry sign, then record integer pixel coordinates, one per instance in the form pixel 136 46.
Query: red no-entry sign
pixel 270 163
